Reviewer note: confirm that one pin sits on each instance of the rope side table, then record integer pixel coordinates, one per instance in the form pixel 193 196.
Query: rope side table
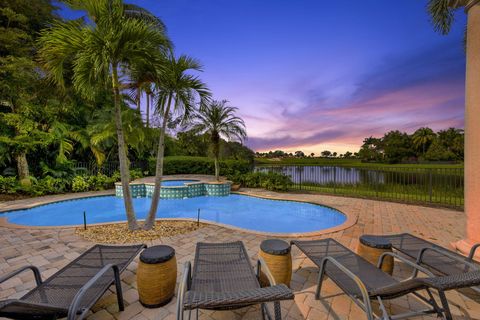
pixel 278 258
pixel 372 247
pixel 156 276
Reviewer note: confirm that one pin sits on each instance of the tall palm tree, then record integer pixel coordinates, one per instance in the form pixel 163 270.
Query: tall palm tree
pixel 218 120
pixel 176 92
pixel 422 137
pixel 442 13
pixel 116 37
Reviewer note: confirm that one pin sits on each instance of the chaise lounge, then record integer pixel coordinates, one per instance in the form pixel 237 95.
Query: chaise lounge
pixel 74 289
pixel 363 282
pixel 439 260
pixel 223 279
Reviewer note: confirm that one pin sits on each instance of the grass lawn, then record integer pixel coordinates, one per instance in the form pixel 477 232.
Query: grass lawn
pixel 409 194
pixel 346 163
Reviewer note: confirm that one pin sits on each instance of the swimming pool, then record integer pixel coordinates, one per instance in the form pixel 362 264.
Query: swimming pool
pixel 176 183
pixel 240 211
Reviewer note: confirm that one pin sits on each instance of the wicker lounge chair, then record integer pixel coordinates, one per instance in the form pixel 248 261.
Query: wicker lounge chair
pixel 438 259
pixel 364 282
pixel 74 289
pixel 223 279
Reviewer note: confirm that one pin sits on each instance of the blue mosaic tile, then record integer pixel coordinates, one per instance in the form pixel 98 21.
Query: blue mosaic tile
pixel 188 191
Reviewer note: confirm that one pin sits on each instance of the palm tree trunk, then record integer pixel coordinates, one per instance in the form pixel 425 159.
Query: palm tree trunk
pixel 216 153
pixel 122 154
pixel 22 168
pixel 150 220
pixel 148 111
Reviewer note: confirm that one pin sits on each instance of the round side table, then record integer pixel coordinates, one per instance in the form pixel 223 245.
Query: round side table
pixel 372 247
pixel 276 254
pixel 156 276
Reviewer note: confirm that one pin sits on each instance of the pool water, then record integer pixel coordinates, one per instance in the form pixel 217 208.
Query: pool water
pixel 176 183
pixel 237 210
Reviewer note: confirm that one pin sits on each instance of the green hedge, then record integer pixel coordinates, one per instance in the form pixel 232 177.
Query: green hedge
pixel 200 165
pixel 51 185
pixel 270 181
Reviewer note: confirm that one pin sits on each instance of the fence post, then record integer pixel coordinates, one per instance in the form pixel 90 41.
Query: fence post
pixel 300 172
pixel 334 179
pixel 376 183
pixel 430 184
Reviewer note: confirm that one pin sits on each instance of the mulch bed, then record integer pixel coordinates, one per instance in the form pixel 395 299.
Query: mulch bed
pixel 11 197
pixel 118 233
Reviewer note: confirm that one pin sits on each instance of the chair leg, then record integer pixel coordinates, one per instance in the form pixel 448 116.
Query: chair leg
pixel 434 303
pixel 278 310
pixel 118 288
pixel 446 307
pixel 385 314
pixel 319 283
pixel 262 309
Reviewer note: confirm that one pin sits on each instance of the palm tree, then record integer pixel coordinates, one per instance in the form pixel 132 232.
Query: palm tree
pixel 116 37
pixel 141 77
pixel 442 13
pixel 422 137
pixel 218 120
pixel 176 93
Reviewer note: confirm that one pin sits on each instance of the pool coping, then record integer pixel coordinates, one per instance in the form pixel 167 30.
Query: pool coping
pixel 351 218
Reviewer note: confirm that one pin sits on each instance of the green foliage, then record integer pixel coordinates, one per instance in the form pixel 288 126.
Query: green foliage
pixel 55 185
pixel 438 152
pixel 48 185
pixel 199 165
pixel 9 185
pixel 136 174
pixel 270 181
pixel 395 146
pixel 80 184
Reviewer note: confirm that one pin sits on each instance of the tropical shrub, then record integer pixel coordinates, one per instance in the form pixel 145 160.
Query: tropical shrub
pixel 270 181
pixel 9 185
pixel 51 185
pixel 80 184
pixel 101 182
pixel 136 174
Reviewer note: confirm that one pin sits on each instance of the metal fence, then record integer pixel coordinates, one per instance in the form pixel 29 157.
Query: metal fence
pixel 442 186
pixel 107 168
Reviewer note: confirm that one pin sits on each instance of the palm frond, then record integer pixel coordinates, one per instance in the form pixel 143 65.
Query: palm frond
pixel 442 15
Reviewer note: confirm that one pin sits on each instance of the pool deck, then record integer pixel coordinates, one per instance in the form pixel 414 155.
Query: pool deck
pixel 52 248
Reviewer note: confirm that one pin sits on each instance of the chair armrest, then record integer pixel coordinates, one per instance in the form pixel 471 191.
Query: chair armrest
pixel 361 286
pixel 471 255
pixel 183 287
pixel 77 300
pixel 464 261
pixel 415 266
pixel 262 266
pixel 36 273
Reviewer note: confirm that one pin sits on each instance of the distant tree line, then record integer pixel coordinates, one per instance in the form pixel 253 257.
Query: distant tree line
pixel 301 154
pixel 423 145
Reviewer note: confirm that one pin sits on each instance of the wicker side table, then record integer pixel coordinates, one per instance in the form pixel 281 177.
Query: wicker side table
pixel 372 247
pixel 278 258
pixel 156 276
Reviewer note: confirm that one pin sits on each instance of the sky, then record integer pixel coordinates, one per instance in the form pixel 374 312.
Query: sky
pixel 316 75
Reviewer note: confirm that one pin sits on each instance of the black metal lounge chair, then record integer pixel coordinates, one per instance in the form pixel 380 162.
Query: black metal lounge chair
pixel 364 282
pixel 438 259
pixel 223 279
pixel 74 289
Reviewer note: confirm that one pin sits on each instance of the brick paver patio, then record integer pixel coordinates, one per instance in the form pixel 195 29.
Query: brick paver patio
pixel 50 249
